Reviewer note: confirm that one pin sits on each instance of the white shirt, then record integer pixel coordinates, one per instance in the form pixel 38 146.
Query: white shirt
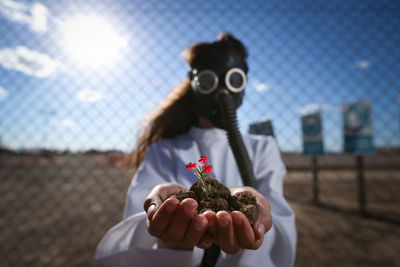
pixel 129 243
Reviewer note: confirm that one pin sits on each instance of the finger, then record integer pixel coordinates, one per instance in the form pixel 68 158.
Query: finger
pixel 162 217
pixel 170 189
pixel 150 202
pixel 259 230
pixel 150 211
pixel 160 193
pixel 264 222
pixel 181 220
pixel 226 235
pixel 206 241
pixel 212 222
pixel 244 232
pixel 196 230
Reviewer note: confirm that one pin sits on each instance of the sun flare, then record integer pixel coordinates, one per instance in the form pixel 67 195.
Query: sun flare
pixel 91 41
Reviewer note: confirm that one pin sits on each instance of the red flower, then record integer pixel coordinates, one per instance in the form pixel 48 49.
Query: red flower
pixel 203 159
pixel 207 168
pixel 190 166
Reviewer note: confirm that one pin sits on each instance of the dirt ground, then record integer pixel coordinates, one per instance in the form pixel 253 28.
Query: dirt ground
pixel 54 212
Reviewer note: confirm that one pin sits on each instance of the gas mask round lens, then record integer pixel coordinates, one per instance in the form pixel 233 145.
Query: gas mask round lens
pixel 235 80
pixel 205 82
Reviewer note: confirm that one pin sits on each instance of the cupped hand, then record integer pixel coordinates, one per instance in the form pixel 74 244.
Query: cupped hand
pixel 232 231
pixel 174 223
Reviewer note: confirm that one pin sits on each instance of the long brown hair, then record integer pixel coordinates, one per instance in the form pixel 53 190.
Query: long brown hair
pixel 174 117
pixel 176 114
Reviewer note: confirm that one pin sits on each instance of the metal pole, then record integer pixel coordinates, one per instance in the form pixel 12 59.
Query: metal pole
pixel 314 169
pixel 361 184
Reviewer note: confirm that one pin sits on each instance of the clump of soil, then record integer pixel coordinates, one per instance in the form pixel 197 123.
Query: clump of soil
pixel 218 197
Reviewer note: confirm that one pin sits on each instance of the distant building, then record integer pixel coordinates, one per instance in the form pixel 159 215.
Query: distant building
pixel 262 128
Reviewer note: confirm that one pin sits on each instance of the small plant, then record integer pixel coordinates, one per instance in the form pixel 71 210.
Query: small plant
pixel 201 172
pixel 211 195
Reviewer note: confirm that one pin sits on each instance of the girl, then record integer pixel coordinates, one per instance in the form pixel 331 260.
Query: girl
pixel 189 124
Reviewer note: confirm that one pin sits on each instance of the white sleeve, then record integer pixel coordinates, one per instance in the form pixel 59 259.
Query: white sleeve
pixel 129 243
pixel 270 170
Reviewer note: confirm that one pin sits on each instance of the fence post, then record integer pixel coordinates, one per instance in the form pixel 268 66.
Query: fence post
pixel 314 169
pixel 361 184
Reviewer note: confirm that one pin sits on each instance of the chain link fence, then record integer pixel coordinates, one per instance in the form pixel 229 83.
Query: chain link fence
pixel 77 77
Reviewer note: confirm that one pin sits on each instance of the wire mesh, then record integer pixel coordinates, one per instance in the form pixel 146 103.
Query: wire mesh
pixel 77 77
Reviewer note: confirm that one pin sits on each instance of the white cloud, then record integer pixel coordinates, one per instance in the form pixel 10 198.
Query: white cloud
pixel 3 93
pixel 363 64
pixel 313 108
pixel 68 123
pixel 32 14
pixel 28 61
pixel 87 95
pixel 260 86
pixel 90 40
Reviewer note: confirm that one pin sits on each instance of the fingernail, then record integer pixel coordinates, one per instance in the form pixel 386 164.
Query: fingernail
pixel 198 226
pixel 151 210
pixel 223 221
pixel 171 206
pixel 261 229
pixel 210 216
pixel 189 207
pixel 236 219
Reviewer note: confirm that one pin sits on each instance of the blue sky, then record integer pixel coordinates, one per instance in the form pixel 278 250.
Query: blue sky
pixel 304 56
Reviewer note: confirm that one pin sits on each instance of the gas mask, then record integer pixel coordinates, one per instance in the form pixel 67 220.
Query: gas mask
pixel 218 86
pixel 224 72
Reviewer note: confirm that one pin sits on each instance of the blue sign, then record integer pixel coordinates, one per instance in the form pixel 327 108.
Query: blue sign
pixel 263 128
pixel 357 127
pixel 312 135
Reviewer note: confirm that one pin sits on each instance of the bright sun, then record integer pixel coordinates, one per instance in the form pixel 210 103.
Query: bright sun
pixel 91 41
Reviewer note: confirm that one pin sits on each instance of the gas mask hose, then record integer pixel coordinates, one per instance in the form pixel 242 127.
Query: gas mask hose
pixel 235 139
